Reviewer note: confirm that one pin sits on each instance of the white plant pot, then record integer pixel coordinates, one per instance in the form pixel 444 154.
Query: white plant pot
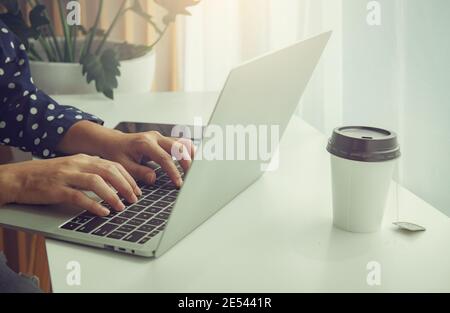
pixel 66 78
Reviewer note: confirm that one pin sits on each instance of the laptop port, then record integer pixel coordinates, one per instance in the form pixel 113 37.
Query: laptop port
pixel 108 247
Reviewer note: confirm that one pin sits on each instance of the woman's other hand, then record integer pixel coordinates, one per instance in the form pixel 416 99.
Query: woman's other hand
pixel 62 180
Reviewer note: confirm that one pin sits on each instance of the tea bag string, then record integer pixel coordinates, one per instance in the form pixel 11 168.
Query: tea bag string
pixel 397 190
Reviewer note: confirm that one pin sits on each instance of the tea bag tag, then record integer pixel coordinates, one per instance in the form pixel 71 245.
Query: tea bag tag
pixel 409 227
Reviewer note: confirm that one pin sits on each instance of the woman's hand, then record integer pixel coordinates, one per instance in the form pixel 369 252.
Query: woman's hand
pixel 130 149
pixel 60 181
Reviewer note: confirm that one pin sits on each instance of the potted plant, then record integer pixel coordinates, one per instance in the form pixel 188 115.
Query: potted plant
pixel 86 60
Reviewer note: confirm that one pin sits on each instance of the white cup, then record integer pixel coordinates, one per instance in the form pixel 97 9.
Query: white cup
pixel 362 164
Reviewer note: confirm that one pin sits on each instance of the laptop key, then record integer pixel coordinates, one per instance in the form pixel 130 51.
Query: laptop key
pixel 135 222
pixel 112 214
pixel 116 235
pixel 88 214
pixel 169 187
pixel 136 208
pixel 163 216
pixel 161 204
pixel 153 234
pixel 125 202
pixel 161 193
pixel 155 222
pixel 146 202
pixel 106 205
pixel 159 183
pixel 146 228
pixel 153 210
pixel 70 226
pixel 149 200
pixel 96 222
pixel 126 228
pixel 127 214
pixel 162 174
pixel 169 199
pixel 134 236
pixel 118 220
pixel 145 216
pixel 81 219
pixel 105 230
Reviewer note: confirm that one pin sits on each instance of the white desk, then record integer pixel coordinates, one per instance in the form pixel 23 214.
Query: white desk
pixel 277 236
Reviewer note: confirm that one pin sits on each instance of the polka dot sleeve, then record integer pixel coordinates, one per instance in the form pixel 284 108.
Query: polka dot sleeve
pixel 29 119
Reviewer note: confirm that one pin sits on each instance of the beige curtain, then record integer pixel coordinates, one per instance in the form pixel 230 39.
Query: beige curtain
pixel 134 30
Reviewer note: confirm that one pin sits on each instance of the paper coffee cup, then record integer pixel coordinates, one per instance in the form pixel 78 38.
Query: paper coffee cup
pixel 362 164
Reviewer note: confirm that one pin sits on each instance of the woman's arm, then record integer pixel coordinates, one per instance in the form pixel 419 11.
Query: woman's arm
pixel 130 149
pixel 29 119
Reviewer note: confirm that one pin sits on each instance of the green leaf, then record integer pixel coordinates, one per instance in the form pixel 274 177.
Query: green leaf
pixel 82 29
pixel 98 32
pixel 104 70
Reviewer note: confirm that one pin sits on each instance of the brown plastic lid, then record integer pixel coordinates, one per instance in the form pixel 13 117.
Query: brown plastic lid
pixel 365 144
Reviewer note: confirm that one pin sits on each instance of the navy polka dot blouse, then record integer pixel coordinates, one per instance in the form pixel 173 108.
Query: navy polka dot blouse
pixel 29 119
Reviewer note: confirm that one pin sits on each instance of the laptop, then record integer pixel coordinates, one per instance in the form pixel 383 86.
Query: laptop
pixel 263 91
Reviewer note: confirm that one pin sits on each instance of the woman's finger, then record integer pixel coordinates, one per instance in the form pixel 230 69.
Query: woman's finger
pixel 130 179
pixel 96 184
pixel 110 173
pixel 141 172
pixel 164 159
pixel 77 198
pixel 178 150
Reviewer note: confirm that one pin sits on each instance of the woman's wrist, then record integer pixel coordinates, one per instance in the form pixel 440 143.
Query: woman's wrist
pixel 89 138
pixel 9 184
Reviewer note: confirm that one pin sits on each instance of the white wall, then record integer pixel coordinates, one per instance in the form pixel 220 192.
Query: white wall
pixel 397 76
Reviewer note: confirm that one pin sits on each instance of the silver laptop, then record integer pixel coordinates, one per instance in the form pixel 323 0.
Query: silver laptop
pixel 264 91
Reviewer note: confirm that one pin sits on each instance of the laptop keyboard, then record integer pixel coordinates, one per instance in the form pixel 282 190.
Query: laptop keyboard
pixel 139 222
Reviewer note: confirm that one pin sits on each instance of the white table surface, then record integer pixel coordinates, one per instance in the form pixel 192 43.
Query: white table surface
pixel 275 237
